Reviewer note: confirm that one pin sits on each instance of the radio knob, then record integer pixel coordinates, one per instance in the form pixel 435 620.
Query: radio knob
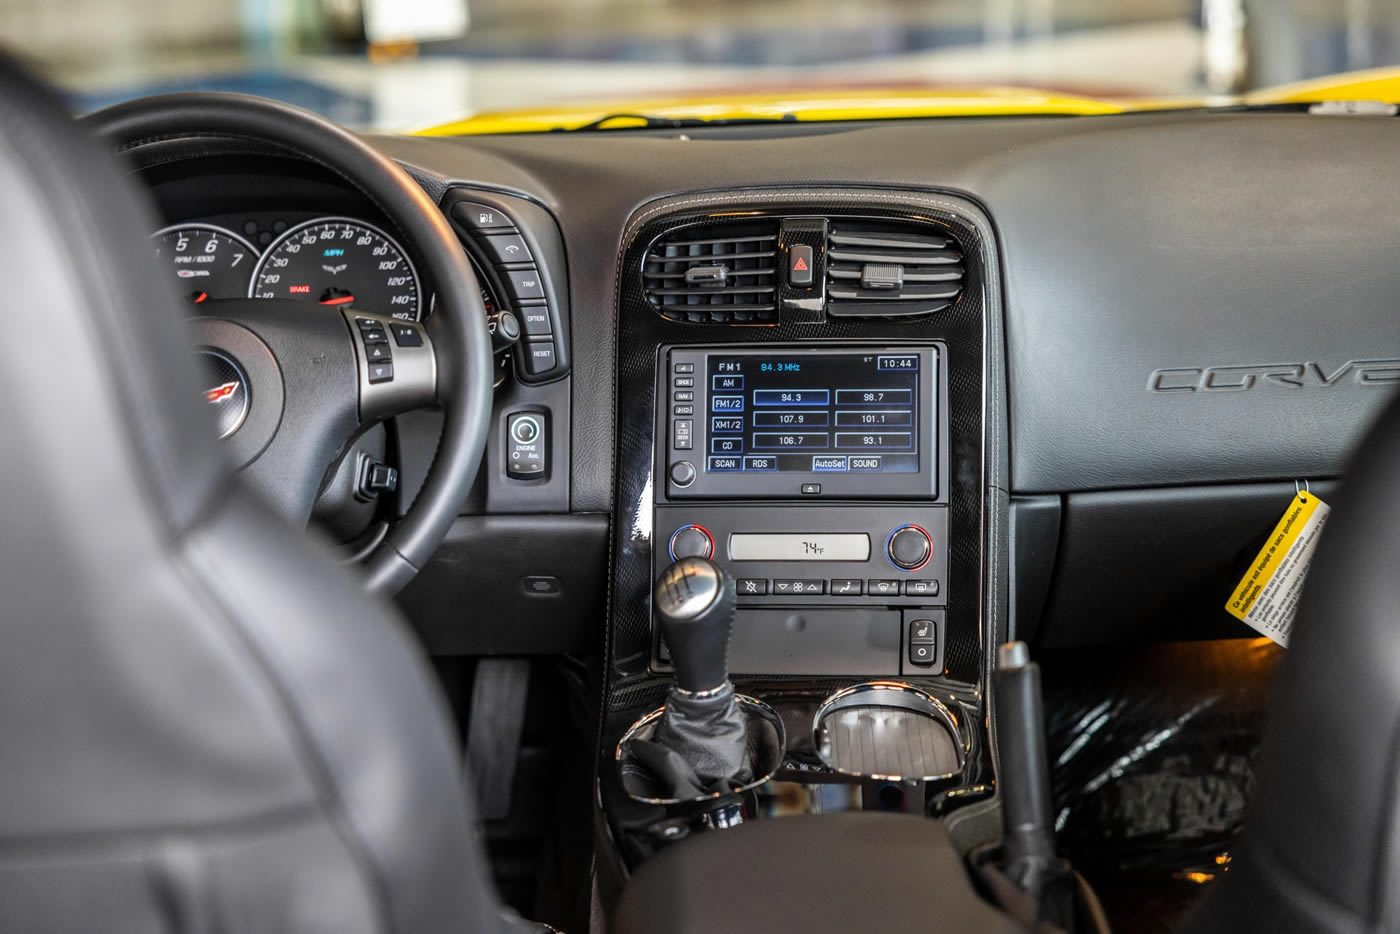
pixel 910 547
pixel 691 541
pixel 682 473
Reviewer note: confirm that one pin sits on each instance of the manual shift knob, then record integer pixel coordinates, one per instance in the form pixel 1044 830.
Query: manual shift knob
pixel 694 600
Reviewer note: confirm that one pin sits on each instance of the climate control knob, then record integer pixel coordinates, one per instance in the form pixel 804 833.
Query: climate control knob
pixel 691 541
pixel 910 547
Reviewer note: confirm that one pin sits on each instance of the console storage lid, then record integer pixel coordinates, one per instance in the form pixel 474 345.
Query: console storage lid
pixel 819 874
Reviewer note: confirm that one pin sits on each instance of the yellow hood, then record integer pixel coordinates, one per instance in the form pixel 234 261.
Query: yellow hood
pixel 807 104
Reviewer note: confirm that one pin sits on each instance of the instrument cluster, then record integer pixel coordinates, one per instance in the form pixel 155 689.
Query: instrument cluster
pixel 323 260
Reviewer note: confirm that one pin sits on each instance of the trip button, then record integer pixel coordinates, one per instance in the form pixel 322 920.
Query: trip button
pixel 525 284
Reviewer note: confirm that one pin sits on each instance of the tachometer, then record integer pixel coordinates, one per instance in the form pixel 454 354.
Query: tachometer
pixel 208 262
pixel 340 261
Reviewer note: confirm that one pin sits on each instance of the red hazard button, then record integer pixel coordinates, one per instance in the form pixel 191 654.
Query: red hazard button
pixel 800 266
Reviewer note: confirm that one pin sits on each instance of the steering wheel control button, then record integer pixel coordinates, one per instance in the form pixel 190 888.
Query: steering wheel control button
pixel 682 473
pixel 526 457
pixel 374 335
pixel 691 541
pixel 539 357
pixel 921 588
pixel 910 547
pixel 378 353
pixel 800 266
pixel 406 335
pixel 506 248
pixel 376 478
pixel 750 587
pixel 381 373
pixel 846 587
pixel 882 588
pixel 226 391
pixel 525 284
pixel 479 216
pixel 536 319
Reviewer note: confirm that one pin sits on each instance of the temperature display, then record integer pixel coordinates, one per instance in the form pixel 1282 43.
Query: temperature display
pixel 814 413
pixel 813 546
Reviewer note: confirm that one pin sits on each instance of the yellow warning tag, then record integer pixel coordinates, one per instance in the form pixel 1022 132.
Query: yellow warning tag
pixel 1267 597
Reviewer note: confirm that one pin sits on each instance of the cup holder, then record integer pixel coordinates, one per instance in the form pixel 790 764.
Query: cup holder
pixel 766 736
pixel 887 730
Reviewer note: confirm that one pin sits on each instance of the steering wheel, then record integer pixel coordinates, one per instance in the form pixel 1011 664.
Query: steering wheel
pixel 296 387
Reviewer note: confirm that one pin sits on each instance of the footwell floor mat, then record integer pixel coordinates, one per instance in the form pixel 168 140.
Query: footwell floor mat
pixel 1152 761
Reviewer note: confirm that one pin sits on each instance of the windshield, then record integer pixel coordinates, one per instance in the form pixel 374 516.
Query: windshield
pixel 405 64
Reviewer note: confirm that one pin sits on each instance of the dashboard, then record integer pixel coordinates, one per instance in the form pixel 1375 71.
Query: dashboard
pixel 918 386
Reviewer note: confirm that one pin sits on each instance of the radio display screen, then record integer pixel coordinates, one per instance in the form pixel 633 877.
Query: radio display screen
pixel 813 413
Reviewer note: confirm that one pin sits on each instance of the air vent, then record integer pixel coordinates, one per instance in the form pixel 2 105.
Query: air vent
pixel 887 271
pixel 715 274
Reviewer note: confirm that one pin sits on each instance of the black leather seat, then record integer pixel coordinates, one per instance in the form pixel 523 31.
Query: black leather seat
pixel 205 724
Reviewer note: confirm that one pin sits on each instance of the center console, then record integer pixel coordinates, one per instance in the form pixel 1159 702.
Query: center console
pixel 852 578
pixel 809 409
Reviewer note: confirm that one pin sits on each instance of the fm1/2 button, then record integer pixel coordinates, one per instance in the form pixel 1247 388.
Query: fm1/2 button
pixel 910 547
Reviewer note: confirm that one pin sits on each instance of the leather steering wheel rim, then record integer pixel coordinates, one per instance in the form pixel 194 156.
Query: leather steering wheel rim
pixel 457 327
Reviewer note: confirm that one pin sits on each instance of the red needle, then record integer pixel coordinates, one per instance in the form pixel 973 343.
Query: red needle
pixel 338 301
pixel 201 297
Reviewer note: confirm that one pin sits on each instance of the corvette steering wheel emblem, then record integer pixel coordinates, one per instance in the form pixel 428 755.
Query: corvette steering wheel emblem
pixel 226 390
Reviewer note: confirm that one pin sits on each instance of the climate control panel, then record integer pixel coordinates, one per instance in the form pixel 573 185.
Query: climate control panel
pixel 825 554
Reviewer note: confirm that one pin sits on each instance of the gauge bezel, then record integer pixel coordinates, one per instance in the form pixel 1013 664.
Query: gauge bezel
pixel 331 219
pixel 214 228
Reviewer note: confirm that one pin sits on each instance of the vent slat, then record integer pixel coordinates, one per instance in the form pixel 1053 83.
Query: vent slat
pixel 928 271
pixel 911 257
pixel 943 274
pixel 744 250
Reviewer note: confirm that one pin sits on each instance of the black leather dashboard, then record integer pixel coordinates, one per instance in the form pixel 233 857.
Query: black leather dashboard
pixel 1260 243
pixel 1190 300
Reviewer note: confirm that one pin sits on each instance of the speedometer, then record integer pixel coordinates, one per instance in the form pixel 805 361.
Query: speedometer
pixel 208 262
pixel 340 261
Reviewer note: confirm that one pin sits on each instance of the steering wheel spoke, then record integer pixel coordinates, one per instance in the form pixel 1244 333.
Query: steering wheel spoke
pixel 397 365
